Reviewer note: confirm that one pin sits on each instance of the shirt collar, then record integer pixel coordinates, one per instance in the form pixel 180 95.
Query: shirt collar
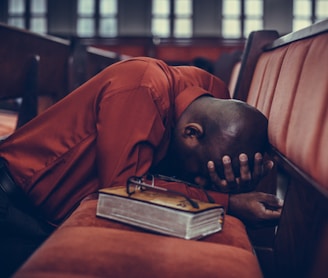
pixel 186 97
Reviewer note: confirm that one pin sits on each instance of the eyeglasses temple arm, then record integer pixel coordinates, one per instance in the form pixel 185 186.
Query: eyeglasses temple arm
pixel 193 203
pixel 208 196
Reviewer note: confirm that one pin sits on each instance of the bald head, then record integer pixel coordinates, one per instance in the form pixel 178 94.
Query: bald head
pixel 211 128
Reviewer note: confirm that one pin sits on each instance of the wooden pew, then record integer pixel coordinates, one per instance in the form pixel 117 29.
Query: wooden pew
pixel 253 49
pixel 42 69
pixel 287 80
pixel 98 59
pixel 225 65
pixel 34 67
pixel 14 114
pixel 87 61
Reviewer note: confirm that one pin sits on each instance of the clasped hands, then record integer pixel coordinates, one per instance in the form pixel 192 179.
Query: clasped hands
pixel 254 208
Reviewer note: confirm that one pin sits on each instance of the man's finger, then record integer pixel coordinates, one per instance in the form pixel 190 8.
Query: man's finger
pixel 272 214
pixel 267 167
pixel 258 166
pixel 228 172
pixel 272 202
pixel 219 184
pixel 244 168
pixel 212 172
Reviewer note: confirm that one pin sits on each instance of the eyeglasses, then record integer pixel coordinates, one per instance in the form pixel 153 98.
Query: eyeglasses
pixel 173 179
pixel 148 181
pixel 141 184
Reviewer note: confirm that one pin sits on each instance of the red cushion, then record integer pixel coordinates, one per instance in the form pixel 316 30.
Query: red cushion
pixel 106 252
pixel 86 245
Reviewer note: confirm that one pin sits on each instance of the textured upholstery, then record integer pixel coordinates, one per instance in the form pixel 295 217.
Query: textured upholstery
pixel 106 252
pixel 283 88
pixel 87 246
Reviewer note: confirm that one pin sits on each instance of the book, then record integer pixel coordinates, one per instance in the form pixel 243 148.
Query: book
pixel 162 212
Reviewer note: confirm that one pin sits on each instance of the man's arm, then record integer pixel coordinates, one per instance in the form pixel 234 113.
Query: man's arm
pixel 129 129
pixel 256 208
pixel 253 208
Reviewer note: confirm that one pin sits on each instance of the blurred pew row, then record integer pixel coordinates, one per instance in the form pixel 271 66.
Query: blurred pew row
pixel 38 70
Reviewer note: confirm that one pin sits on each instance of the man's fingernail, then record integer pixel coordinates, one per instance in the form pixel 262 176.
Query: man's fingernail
pixel 243 157
pixel 226 159
pixel 224 183
pixel 269 164
pixel 258 156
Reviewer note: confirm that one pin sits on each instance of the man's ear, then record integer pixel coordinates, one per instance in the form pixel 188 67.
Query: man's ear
pixel 193 131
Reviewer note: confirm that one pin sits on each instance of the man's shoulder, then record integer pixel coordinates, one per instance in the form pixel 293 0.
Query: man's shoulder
pixel 144 60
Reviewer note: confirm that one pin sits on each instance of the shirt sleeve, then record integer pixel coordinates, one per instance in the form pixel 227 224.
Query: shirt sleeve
pixel 129 129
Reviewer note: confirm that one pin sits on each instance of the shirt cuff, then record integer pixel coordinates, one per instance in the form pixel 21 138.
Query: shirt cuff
pixel 220 198
pixel 196 193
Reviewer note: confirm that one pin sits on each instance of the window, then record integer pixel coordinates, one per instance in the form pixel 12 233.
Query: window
pixel 231 11
pixel 161 18
pixel 16 13
pixel 306 12
pixel 253 16
pixel 86 18
pixel 240 17
pixel 28 14
pixel 172 18
pixel 97 18
pixel 321 9
pixel 108 18
pixel 182 18
pixel 38 16
pixel 302 11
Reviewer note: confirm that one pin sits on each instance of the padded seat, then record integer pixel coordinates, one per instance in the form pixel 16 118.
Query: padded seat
pixel 88 246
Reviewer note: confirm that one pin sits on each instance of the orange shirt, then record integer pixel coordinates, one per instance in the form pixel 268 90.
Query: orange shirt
pixel 116 125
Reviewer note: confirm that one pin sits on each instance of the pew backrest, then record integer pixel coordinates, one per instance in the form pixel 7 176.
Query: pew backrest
pixel 17 48
pixel 86 61
pixel 290 86
pixel 98 59
pixel 253 49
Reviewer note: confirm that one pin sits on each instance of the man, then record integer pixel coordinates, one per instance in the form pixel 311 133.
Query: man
pixel 211 145
pixel 120 123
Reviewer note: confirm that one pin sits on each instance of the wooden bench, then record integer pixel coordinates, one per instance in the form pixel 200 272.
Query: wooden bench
pixel 288 83
pixel 98 59
pixel 12 113
pixel 87 61
pixel 33 67
pixel 40 70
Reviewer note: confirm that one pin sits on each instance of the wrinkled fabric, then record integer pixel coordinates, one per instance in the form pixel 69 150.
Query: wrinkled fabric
pixel 115 125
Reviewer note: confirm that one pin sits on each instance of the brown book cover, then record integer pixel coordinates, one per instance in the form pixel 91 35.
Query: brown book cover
pixel 159 211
